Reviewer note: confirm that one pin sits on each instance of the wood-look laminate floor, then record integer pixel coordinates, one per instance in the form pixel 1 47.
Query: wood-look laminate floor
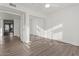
pixel 38 47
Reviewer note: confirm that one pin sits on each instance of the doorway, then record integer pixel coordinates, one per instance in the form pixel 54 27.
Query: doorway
pixel 8 26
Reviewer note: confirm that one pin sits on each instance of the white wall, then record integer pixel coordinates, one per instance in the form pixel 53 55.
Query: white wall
pixel 17 27
pixel 1 32
pixel 69 18
pixel 36 22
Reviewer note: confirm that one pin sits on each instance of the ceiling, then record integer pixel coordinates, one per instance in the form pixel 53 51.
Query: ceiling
pixel 40 7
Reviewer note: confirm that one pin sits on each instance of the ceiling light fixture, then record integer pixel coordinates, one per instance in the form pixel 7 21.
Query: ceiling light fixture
pixel 47 5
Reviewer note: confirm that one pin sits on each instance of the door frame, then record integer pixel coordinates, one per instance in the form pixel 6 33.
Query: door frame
pixel 9 26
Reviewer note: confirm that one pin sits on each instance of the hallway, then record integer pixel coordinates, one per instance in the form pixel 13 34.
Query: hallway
pixel 38 47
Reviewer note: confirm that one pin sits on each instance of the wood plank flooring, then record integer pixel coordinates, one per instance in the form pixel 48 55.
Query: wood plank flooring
pixel 38 46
